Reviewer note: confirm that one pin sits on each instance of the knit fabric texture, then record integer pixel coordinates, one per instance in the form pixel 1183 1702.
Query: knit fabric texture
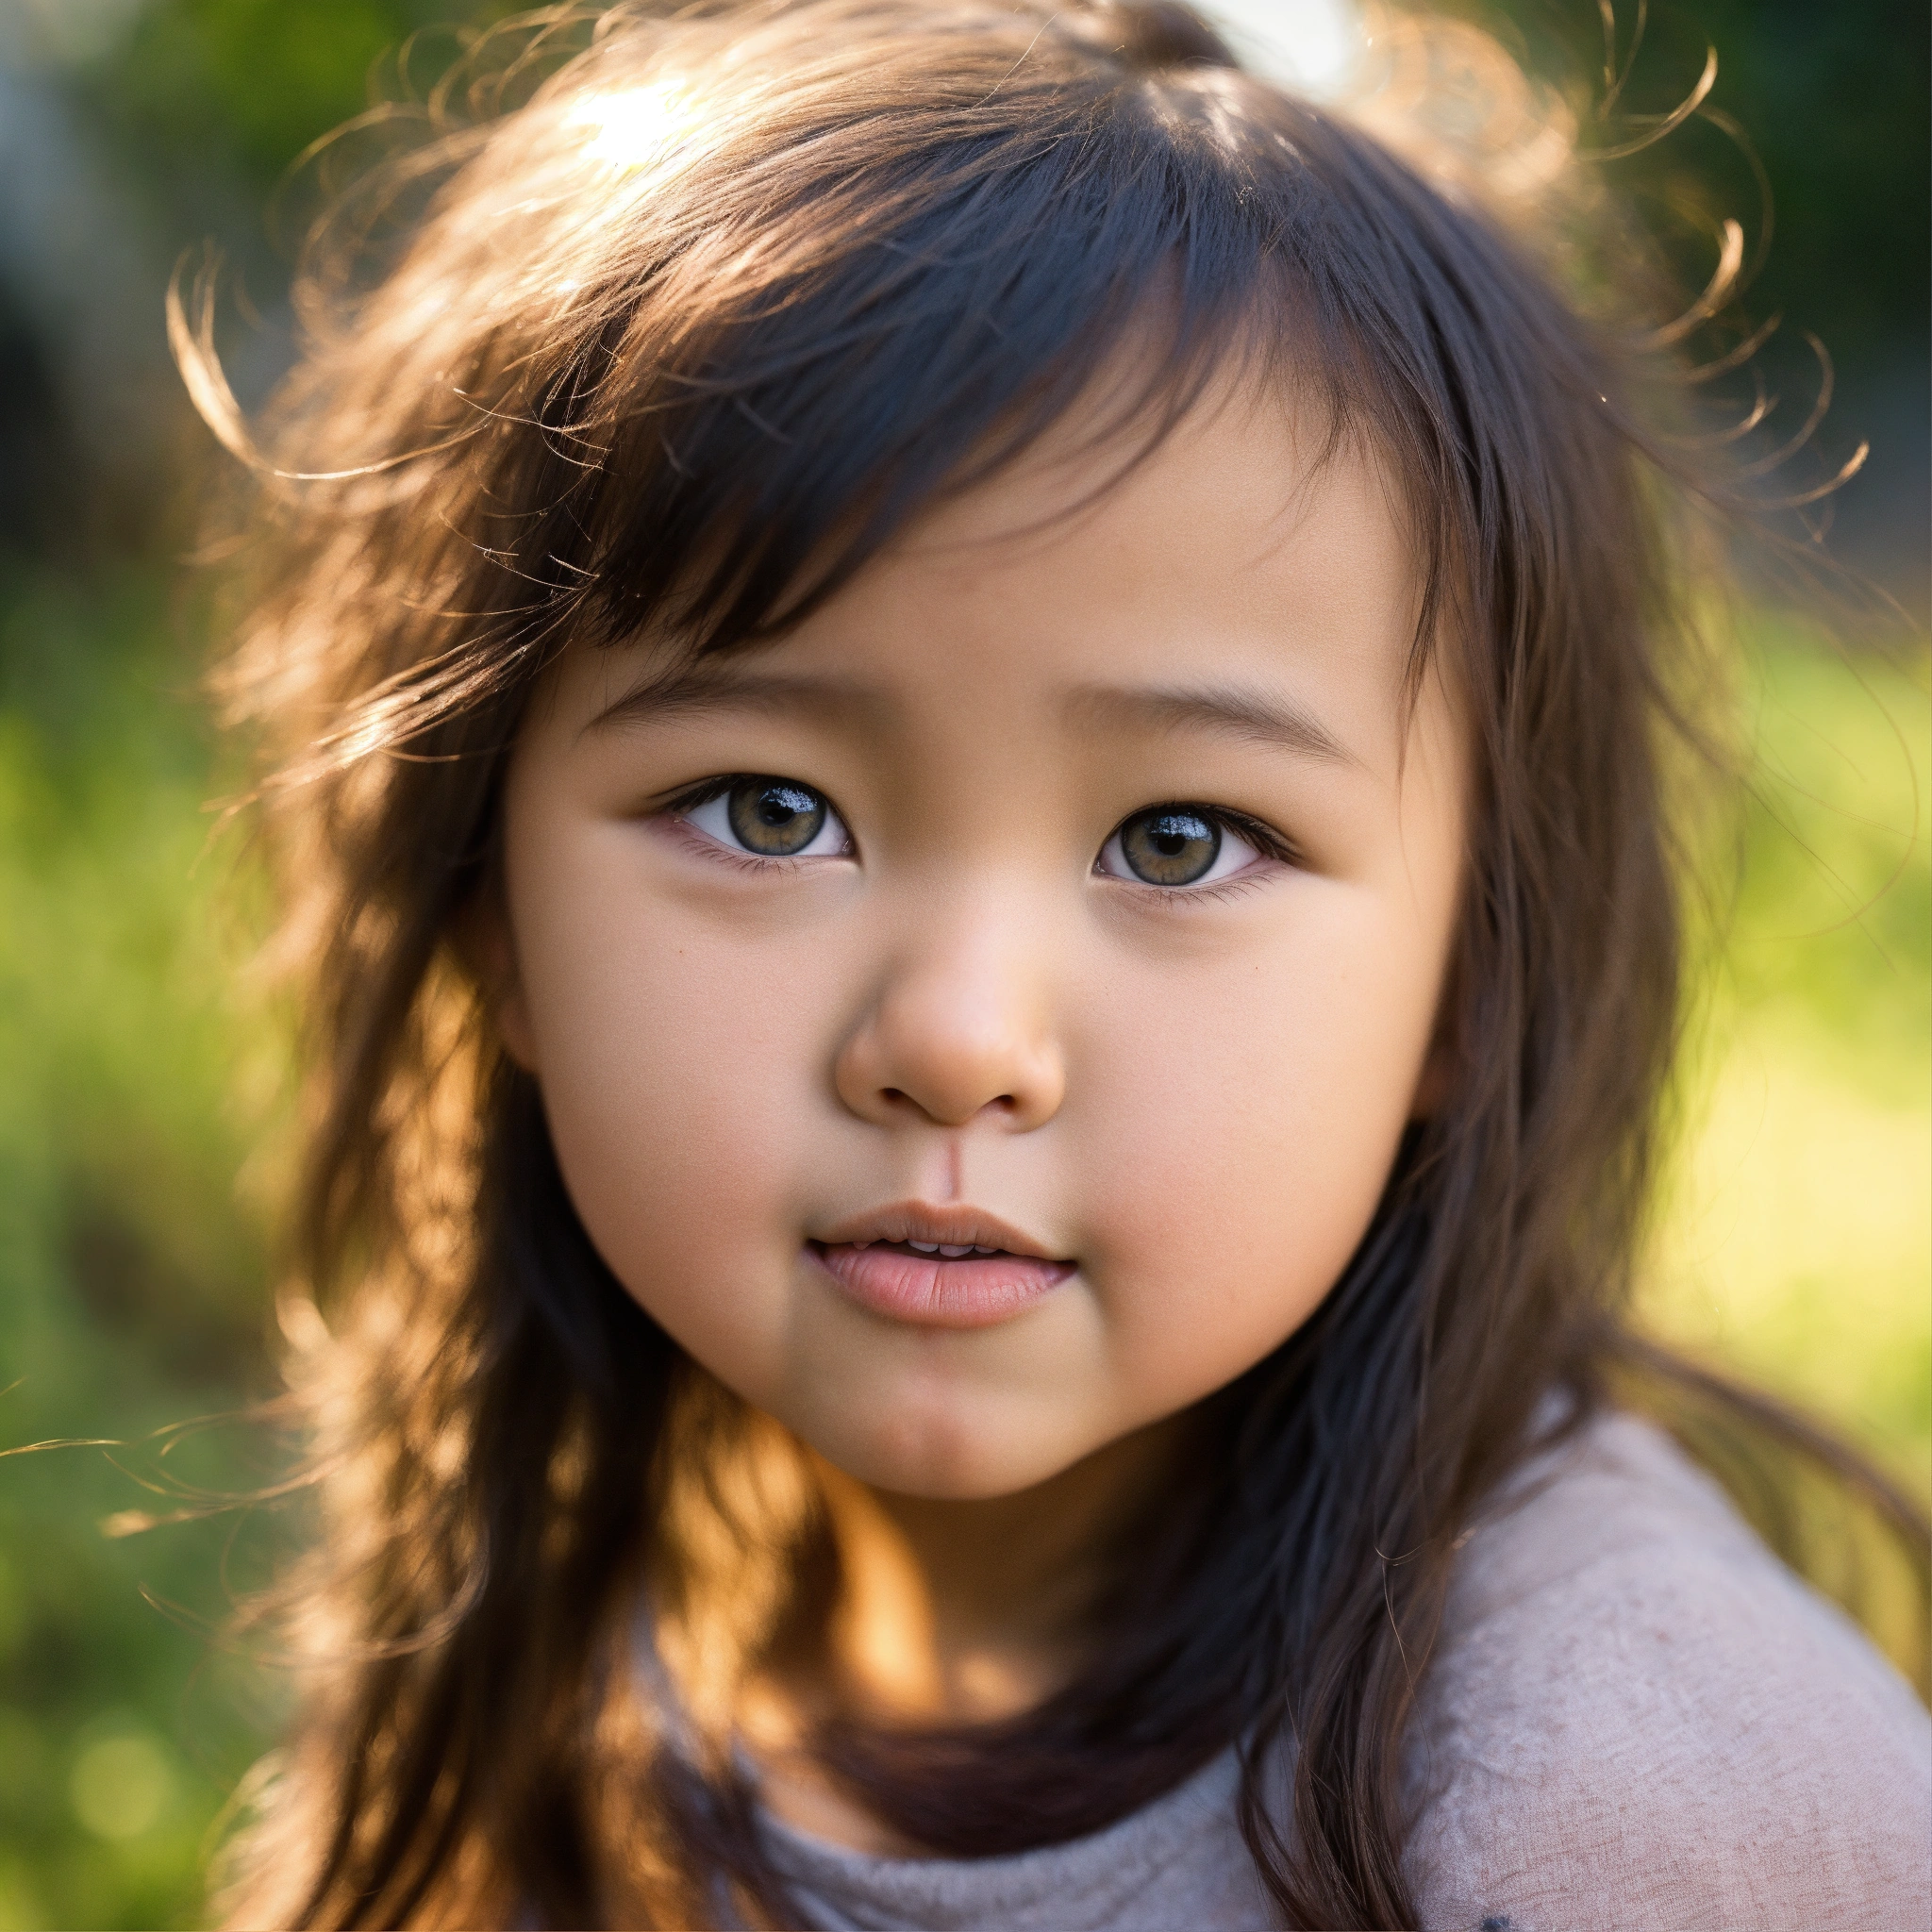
pixel 1636 1718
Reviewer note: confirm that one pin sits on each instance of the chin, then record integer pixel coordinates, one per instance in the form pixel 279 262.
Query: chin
pixel 955 1451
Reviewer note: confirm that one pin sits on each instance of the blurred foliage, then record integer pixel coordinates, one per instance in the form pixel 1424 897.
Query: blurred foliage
pixel 242 85
pixel 1797 1246
pixel 1832 100
pixel 1831 104
pixel 133 1187
pixel 143 1129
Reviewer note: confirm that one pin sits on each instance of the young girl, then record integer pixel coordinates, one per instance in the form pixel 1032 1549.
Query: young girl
pixel 970 717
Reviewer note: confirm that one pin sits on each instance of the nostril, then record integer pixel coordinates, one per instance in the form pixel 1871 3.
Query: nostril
pixel 896 1098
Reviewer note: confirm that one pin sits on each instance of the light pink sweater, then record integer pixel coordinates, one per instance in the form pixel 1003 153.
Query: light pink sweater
pixel 1638 1719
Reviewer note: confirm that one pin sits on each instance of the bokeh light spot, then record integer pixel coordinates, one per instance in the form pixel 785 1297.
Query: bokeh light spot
pixel 121 1785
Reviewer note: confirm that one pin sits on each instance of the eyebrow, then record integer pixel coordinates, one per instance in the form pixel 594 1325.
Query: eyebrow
pixel 688 691
pixel 703 689
pixel 1232 710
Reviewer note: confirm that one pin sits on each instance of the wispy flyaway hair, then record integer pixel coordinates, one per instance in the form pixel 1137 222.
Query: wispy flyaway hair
pixel 662 330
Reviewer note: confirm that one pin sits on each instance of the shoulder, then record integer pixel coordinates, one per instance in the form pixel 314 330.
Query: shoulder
pixel 1638 1717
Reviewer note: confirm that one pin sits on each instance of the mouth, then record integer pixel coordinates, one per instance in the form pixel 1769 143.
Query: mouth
pixel 937 1266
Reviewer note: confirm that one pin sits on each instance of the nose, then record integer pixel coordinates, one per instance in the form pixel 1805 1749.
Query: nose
pixel 959 1028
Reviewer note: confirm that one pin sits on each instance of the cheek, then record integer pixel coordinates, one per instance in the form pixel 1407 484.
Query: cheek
pixel 1244 1140
pixel 675 1072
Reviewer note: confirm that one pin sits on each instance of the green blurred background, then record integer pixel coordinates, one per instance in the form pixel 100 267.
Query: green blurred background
pixel 143 1078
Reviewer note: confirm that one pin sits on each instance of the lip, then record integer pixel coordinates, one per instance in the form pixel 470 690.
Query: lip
pixel 937 1291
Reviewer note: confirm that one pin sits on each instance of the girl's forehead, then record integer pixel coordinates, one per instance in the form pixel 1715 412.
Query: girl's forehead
pixel 1245 566
pixel 1247 457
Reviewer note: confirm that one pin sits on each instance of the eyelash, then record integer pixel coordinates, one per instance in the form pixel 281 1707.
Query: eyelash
pixel 680 807
pixel 1264 839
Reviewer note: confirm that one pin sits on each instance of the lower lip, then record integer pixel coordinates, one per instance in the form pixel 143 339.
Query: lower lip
pixel 974 1291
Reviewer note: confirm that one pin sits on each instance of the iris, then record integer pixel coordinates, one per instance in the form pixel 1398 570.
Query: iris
pixel 774 817
pixel 1169 846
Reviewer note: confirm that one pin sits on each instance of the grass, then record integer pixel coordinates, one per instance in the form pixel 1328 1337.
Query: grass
pixel 141 1152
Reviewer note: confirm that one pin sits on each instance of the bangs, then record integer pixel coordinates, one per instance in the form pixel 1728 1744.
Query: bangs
pixel 922 363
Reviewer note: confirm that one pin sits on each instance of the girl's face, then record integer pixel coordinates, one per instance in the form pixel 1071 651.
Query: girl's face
pixel 1072 887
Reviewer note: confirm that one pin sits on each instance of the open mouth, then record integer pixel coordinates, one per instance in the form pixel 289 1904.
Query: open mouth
pixel 947 1251
pixel 939 1284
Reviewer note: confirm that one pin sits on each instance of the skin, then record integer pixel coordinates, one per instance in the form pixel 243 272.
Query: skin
pixel 1192 1095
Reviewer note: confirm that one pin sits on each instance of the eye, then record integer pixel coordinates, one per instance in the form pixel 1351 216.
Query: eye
pixel 771 818
pixel 1175 845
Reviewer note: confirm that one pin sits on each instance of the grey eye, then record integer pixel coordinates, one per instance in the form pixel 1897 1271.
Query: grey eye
pixel 772 818
pixel 775 818
pixel 1170 847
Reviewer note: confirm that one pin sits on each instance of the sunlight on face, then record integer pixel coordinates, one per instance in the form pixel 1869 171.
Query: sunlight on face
pixel 982 1024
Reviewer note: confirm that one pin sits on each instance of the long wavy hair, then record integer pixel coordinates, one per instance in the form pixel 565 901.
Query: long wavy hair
pixel 665 319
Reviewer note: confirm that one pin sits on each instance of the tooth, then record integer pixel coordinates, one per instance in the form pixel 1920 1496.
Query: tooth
pixel 986 1251
pixel 924 1247
pixel 954 1254
pixel 861 1244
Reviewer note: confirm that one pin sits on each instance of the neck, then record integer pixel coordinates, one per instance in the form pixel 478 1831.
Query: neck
pixel 964 1612
pixel 945 1613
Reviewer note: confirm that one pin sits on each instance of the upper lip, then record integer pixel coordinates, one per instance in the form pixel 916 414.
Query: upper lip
pixel 955 1225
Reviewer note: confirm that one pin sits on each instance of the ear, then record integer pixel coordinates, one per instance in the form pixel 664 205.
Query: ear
pixel 487 948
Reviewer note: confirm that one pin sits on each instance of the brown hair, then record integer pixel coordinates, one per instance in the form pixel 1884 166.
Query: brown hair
pixel 685 320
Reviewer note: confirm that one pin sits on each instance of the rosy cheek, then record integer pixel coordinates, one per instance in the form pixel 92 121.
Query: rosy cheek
pixel 1237 1160
pixel 680 1076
